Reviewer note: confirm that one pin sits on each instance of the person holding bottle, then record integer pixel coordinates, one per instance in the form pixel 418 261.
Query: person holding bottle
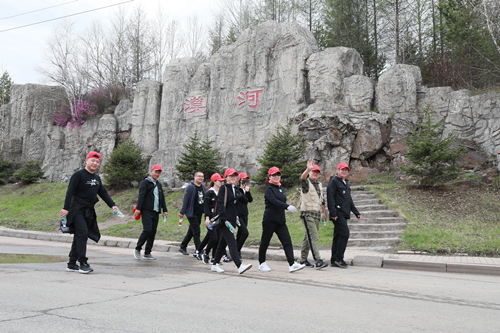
pixel 245 198
pixel 81 196
pixel 212 236
pixel 227 202
pixel 274 221
pixel 312 206
pixel 150 202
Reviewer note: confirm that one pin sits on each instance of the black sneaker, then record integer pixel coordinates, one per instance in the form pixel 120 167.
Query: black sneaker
pixel 204 258
pixel 226 258
pixel 307 264
pixel 85 268
pixel 341 264
pixel 72 267
pixel 321 264
pixel 183 251
pixel 197 255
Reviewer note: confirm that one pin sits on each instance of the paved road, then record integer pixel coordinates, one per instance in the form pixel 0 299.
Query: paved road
pixel 179 294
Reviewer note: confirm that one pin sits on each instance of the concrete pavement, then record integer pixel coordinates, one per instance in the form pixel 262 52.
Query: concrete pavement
pixel 353 256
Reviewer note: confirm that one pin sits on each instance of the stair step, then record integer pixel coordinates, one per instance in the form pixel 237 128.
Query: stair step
pixel 371 207
pixel 362 196
pixel 365 202
pixel 376 213
pixel 376 226
pixel 393 241
pixel 354 235
pixel 376 220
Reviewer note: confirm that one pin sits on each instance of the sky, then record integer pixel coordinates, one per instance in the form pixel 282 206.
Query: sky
pixel 21 50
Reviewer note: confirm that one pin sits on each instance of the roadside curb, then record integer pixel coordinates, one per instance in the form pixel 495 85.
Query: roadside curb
pixel 376 261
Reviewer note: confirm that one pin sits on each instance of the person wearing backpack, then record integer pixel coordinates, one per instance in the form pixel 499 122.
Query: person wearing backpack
pixel 149 205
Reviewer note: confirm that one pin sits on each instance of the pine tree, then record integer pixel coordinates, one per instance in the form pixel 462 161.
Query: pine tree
pixel 430 153
pixel 5 84
pixel 30 173
pixel 125 166
pixel 6 170
pixel 199 156
pixel 284 150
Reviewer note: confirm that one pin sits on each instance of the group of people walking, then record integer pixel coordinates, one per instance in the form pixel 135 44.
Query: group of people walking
pixel 225 207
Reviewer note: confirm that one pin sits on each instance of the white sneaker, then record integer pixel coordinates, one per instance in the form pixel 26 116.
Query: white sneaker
pixel 296 267
pixel 216 268
pixel 263 267
pixel 243 268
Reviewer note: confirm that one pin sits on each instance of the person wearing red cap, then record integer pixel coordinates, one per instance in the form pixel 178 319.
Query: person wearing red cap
pixel 212 236
pixel 274 221
pixel 227 202
pixel 192 207
pixel 81 196
pixel 243 186
pixel 340 205
pixel 150 202
pixel 312 205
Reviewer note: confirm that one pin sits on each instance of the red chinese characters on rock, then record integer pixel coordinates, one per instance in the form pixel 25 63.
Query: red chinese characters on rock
pixel 251 98
pixel 195 105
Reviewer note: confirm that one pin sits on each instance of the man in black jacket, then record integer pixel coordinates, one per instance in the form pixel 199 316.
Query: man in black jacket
pixel 149 204
pixel 81 196
pixel 340 206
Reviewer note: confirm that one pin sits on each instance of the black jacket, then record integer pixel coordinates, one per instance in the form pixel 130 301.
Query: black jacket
pixel 245 198
pixel 230 210
pixel 146 198
pixel 209 203
pixel 275 200
pixel 78 204
pixel 339 198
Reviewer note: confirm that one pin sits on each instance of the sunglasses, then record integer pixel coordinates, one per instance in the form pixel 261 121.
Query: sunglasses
pixel 276 175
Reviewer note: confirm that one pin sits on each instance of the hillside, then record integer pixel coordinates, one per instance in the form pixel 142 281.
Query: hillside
pixel 459 218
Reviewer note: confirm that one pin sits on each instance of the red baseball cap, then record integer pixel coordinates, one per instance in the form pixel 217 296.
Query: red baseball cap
pixel 316 168
pixel 94 154
pixel 229 172
pixel 216 177
pixel 273 170
pixel 243 175
pixel 156 167
pixel 343 165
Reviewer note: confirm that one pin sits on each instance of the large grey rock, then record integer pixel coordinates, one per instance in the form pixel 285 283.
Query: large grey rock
pixel 146 115
pixel 371 138
pixel 396 91
pixel 359 92
pixel 328 69
pixel 236 99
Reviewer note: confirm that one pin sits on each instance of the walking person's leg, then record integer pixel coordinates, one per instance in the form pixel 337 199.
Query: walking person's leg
pixel 147 228
pixel 242 233
pixel 285 239
pixel 152 234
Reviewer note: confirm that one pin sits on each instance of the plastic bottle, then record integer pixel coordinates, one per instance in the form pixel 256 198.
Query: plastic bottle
pixel 210 226
pixel 64 221
pixel 324 222
pixel 238 223
pixel 164 219
pixel 118 213
pixel 230 227
pixel 180 222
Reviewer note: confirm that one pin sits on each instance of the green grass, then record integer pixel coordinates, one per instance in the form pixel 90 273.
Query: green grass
pixel 11 258
pixel 447 219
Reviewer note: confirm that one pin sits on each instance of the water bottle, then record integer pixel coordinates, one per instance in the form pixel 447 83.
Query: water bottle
pixel 64 226
pixel 230 227
pixel 164 219
pixel 324 222
pixel 210 226
pixel 238 221
pixel 118 213
pixel 180 222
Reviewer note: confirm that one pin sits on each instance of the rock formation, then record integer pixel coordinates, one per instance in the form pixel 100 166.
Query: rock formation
pixel 272 75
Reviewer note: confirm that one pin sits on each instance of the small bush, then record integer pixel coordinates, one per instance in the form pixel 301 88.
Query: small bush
pixel 284 150
pixel 30 173
pixel 6 170
pixel 125 166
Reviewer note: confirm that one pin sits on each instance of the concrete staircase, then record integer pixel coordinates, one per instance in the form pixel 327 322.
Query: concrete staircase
pixel 379 228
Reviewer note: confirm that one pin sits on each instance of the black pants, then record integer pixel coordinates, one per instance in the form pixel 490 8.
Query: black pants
pixel 340 238
pixel 210 241
pixel 227 239
pixel 281 230
pixel 149 226
pixel 79 246
pixel 242 235
pixel 193 232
